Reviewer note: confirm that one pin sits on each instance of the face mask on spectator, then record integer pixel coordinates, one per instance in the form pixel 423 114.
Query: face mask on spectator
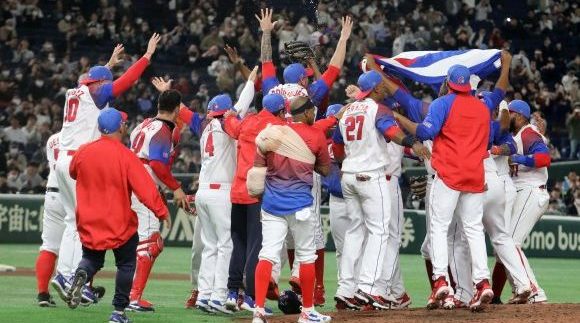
pixel 39 83
pixel 13 151
pixel 51 58
pixel 67 18
pixel 12 176
pixel 5 73
pixel 18 76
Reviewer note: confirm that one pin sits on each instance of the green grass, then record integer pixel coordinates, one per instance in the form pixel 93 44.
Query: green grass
pixel 559 277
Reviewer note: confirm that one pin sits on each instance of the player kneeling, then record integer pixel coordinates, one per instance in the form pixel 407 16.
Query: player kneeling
pixel 286 157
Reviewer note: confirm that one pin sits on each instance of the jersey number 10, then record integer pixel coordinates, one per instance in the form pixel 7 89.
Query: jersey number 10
pixel 70 113
pixel 354 124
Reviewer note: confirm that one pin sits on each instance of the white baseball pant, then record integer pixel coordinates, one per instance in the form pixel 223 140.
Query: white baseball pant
pixel 368 206
pixel 426 245
pixel 52 223
pixel 338 225
pixel 529 206
pixel 391 279
pixel 196 251
pixel 71 249
pixel 148 223
pixel 445 203
pixel 213 210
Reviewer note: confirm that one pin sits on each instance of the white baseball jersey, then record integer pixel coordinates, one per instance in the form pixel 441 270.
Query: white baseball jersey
pixel 218 159
pixel 52 149
pixel 366 148
pixel 79 125
pixel 394 157
pixel 152 140
pixel 501 163
pixel 289 90
pixel 528 176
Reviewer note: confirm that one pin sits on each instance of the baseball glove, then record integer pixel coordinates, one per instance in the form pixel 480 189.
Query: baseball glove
pixel 289 303
pixel 298 51
pixel 419 186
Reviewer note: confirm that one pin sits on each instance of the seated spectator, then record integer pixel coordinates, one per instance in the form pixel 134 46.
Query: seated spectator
pixel 4 184
pixel 12 181
pixel 14 133
pixel 30 180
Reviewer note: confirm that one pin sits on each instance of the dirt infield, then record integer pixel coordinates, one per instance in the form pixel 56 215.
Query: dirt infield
pixel 494 313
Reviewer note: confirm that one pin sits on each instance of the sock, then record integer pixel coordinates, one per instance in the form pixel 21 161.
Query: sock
pixel 45 263
pixel 498 279
pixel 319 268
pixel 307 278
pixel 142 271
pixel 429 267
pixel 290 258
pixel 451 280
pixel 261 281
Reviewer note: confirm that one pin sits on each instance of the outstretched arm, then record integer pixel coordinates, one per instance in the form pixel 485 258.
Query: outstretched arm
pixel 115 57
pixel 237 61
pixel 126 81
pixel 247 95
pixel 337 59
pixel 267 26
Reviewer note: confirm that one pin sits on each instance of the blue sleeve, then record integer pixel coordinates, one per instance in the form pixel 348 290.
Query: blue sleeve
pixel 195 125
pixel 103 95
pixel 160 146
pixel 493 100
pixel 384 120
pixel 337 136
pixel 317 91
pixel 413 107
pixel 269 83
pixel 502 138
pixel 438 112
pixel 538 147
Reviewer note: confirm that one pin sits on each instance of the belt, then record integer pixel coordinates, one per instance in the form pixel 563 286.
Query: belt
pixel 51 190
pixel 364 178
pixel 144 161
pixel 71 152
pixel 542 187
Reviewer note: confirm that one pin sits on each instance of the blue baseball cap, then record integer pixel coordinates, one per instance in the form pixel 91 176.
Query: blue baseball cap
pixel 333 109
pixel 520 107
pixel 293 73
pixel 274 103
pixel 218 105
pixel 367 82
pixel 97 73
pixel 458 78
pixel 110 120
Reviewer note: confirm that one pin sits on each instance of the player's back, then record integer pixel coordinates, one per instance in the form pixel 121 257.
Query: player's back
pixel 152 140
pixel 218 155
pixel 79 124
pixel 289 91
pixel 365 147
pixel 529 176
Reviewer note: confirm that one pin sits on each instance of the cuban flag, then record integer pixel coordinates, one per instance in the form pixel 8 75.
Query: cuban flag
pixel 430 67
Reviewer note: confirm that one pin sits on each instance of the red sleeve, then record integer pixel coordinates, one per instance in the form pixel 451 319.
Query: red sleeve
pixel 129 78
pixel 542 160
pixel 338 151
pixel 268 70
pixel 185 115
pixel 325 124
pixel 392 132
pixel 330 75
pixel 143 186
pixel 232 126
pixel 163 172
pixel 322 156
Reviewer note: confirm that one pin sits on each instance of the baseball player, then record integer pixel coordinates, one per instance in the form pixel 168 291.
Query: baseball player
pixel 196 251
pixel 82 106
pixel 363 129
pixel 213 198
pixel 154 142
pixel 288 156
pixel 52 227
pixel 529 174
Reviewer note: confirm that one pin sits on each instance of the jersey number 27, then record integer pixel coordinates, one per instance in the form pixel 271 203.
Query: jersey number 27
pixel 354 127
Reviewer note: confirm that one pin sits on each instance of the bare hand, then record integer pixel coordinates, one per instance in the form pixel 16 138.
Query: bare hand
pixel 254 74
pixel 346 23
pixel 230 113
pixel 180 199
pixel 397 115
pixel 352 91
pixel 233 54
pixel 506 58
pixel 152 45
pixel 115 57
pixel 370 62
pixel 421 151
pixel 265 19
pixel 167 222
pixel 160 84
pixel 341 112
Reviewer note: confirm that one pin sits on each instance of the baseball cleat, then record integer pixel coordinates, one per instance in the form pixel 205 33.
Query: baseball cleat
pixel 402 302
pixel 295 283
pixel 98 291
pixel 117 317
pixel 88 297
pixel 259 317
pixel 482 297
pixel 203 305
pixel 141 306
pixel 345 303
pixel 313 316
pixel 273 292
pixel 376 301
pixel 219 307
pixel 190 302
pixel 520 298
pixel 319 298
pixel 61 285
pixel 538 298
pixel 231 301
pixel 45 300
pixel 438 294
pixel 449 302
pixel 75 292
pixel 247 303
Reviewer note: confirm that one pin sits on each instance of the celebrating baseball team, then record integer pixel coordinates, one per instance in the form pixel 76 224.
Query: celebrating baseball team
pixel 257 208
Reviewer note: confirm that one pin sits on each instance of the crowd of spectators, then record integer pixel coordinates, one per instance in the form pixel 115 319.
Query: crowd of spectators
pixel 46 45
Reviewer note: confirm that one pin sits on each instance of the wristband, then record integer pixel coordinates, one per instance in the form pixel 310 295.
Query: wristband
pixel 408 141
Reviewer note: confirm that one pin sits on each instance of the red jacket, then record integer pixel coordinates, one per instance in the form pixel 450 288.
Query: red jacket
pixel 107 173
pixel 245 132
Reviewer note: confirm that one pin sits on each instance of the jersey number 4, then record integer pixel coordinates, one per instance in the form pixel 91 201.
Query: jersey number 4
pixel 70 113
pixel 354 124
